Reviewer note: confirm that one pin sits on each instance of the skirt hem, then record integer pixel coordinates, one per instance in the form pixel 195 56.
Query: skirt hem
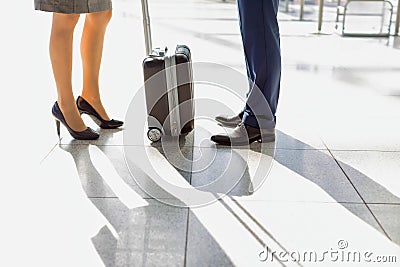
pixel 64 10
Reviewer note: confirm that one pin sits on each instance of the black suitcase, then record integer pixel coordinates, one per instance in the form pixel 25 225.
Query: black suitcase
pixel 168 87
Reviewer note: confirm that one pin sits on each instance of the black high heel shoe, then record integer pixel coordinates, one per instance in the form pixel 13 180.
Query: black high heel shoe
pixel 85 108
pixel 88 134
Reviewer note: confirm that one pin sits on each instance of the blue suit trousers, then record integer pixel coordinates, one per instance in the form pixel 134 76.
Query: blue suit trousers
pixel 261 41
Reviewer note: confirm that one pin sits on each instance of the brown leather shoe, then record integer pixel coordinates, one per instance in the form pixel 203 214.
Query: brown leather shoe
pixel 230 121
pixel 243 135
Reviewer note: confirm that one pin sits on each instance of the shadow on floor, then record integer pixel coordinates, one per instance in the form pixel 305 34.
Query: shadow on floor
pixel 222 171
pixel 314 166
pixel 148 234
pixel 152 233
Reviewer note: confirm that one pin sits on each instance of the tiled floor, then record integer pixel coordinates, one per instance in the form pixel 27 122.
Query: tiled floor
pixel 332 176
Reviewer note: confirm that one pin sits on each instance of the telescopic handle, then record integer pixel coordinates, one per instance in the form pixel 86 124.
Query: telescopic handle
pixel 147 27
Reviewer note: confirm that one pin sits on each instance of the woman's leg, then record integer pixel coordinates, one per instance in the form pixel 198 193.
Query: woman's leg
pixel 61 40
pixel 91 52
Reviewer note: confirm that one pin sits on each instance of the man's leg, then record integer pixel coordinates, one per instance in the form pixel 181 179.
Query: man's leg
pixel 261 41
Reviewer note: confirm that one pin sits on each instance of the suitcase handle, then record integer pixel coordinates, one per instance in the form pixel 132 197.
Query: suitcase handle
pixel 147 27
pixel 158 52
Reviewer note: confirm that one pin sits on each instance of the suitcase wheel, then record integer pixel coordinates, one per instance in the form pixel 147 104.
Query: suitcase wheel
pixel 154 134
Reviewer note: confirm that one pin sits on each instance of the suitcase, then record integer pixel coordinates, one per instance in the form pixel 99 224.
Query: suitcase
pixel 168 85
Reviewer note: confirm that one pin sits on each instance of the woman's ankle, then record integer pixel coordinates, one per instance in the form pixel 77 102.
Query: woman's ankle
pixel 67 104
pixel 97 104
pixel 95 98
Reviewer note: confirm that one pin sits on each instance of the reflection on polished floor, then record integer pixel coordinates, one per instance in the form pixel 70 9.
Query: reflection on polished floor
pixel 331 179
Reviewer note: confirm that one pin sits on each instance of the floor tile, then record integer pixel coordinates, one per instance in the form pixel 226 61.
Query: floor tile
pixel 341 122
pixel 152 235
pixel 374 174
pixel 58 201
pixel 282 227
pixel 159 171
pixel 305 175
pixel 213 230
pixel 201 242
pixel 102 170
pixel 306 232
pixel 108 171
pixel 232 171
pixel 378 134
pixel 389 217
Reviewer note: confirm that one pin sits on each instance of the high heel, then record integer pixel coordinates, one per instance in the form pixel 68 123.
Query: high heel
pixel 88 134
pixel 58 128
pixel 85 108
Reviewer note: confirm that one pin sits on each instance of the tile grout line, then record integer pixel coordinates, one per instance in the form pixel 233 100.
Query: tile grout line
pixel 279 148
pixel 366 150
pixel 192 154
pixel 188 209
pixel 313 202
pixel 270 201
pixel 102 197
pixel 358 193
pixel 51 150
pixel 202 147
pixel 187 239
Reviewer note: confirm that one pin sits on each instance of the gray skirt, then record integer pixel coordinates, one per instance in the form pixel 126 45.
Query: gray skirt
pixel 73 6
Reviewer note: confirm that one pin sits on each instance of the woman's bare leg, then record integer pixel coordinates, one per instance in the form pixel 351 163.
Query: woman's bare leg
pixel 91 52
pixel 61 41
